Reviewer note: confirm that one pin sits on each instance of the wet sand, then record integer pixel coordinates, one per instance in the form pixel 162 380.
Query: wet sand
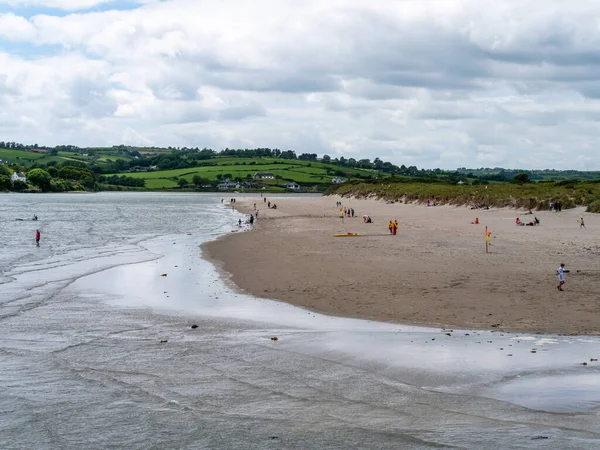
pixel 434 272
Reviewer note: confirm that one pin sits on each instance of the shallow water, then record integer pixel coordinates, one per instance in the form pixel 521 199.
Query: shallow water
pixel 82 363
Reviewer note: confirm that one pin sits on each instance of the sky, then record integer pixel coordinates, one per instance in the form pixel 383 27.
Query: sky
pixel 431 83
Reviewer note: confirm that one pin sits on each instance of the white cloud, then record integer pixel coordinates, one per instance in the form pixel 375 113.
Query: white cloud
pixel 430 83
pixel 16 28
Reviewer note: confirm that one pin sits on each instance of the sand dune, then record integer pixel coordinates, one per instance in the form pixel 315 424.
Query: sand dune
pixel 434 272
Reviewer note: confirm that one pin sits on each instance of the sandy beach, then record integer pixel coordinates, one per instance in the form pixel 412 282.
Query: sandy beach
pixel 434 272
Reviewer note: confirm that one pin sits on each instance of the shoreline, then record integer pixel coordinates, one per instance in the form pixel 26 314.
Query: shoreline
pixel 435 273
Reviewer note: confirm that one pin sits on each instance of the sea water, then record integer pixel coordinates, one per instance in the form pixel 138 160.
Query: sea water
pixel 97 350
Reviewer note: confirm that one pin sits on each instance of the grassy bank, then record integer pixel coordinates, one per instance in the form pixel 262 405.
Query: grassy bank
pixel 528 196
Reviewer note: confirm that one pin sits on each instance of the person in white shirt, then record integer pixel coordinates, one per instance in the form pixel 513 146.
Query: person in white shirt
pixel 561 276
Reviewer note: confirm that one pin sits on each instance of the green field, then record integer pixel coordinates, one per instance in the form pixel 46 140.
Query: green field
pixel 302 172
pixel 24 158
pixel 18 156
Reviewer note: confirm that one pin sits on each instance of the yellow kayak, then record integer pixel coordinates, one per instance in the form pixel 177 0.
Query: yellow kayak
pixel 347 234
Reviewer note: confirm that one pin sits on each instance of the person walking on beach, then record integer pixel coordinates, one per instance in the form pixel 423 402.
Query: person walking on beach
pixel 581 223
pixel 391 227
pixel 561 276
pixel 395 227
pixel 37 238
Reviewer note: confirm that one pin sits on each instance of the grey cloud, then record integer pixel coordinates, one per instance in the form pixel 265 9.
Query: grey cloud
pixel 265 82
pixel 188 112
pixel 242 112
pixel 90 97
pixel 175 89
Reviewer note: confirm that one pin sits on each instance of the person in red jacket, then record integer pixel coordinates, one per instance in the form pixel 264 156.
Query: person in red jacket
pixel 37 238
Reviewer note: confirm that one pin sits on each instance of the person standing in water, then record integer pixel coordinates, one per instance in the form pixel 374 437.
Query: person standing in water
pixel 37 238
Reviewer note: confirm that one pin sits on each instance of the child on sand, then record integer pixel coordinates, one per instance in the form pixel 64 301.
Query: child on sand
pixel 561 276
pixel 581 224
pixel 391 227
pixel 37 238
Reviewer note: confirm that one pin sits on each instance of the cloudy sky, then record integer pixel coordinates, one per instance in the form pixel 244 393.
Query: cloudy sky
pixel 431 83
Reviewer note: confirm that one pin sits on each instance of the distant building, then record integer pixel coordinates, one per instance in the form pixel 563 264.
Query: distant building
pixel 36 150
pixel 18 176
pixel 338 180
pixel 227 186
pixel 292 185
pixel 263 176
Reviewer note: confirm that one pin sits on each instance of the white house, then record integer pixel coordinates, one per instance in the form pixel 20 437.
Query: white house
pixel 263 176
pixel 18 176
pixel 292 185
pixel 338 180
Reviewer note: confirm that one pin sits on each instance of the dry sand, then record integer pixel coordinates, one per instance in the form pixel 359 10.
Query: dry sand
pixel 434 272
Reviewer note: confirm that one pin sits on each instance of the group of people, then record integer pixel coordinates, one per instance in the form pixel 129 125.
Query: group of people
pixel 393 227
pixel 556 206
pixel 531 223
pixel 345 210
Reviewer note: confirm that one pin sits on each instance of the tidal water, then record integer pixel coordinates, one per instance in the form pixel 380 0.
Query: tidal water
pixel 97 350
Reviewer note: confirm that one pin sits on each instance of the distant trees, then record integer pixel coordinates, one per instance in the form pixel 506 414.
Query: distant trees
pixel 122 180
pixel 40 178
pixel 5 171
pixel 308 157
pixel 5 183
pixel 182 183
pixel 142 158
pixel 19 185
pixel 521 178
pixel 289 154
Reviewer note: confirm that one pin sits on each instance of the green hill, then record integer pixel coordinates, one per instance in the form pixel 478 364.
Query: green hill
pixel 305 173
pixel 125 167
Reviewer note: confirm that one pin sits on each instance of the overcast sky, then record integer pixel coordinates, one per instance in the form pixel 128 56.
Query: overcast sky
pixel 418 82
